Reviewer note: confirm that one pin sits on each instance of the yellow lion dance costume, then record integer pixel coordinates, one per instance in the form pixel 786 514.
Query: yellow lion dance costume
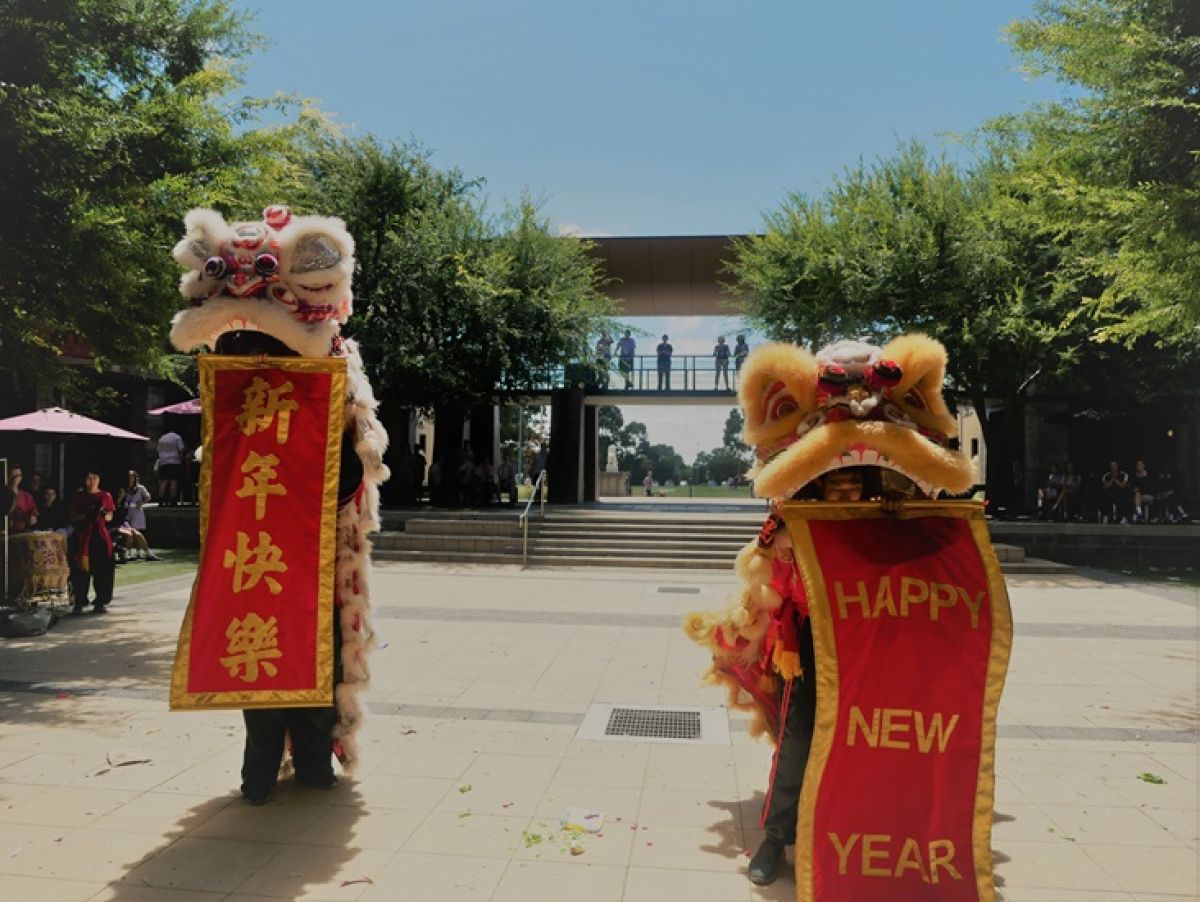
pixel 850 405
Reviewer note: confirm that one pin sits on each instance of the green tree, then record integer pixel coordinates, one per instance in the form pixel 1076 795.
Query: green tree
pixel 630 438
pixel 1114 173
pixel 719 465
pixel 665 461
pixel 453 305
pixel 731 436
pixel 115 119
pixel 913 243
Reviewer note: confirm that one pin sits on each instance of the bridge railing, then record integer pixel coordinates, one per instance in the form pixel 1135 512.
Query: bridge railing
pixel 645 372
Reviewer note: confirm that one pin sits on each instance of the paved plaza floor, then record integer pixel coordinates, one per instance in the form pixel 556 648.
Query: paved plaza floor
pixel 471 756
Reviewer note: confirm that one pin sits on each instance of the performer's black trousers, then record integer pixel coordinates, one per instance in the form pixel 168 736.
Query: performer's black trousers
pixel 101 568
pixel 794 747
pixel 312 746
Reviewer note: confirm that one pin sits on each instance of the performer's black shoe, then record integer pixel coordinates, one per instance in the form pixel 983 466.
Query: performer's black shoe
pixel 764 866
pixel 326 782
pixel 257 798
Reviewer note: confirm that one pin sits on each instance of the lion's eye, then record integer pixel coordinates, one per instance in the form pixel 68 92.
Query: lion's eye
pixel 914 399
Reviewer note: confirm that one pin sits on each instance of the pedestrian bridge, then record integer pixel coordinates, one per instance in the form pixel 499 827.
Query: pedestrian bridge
pixel 693 379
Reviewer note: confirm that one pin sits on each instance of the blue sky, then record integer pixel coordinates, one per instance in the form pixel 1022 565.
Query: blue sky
pixel 656 117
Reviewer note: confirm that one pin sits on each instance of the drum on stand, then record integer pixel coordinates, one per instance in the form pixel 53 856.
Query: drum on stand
pixel 38 569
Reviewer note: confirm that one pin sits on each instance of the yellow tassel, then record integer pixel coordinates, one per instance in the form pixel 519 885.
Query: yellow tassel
pixel 787 663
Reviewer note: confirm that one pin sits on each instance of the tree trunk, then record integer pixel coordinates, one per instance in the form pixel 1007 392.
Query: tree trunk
pixel 1004 436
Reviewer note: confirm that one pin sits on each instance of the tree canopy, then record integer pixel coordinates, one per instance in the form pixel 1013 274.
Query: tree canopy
pixel 115 119
pixel 451 303
pixel 1113 174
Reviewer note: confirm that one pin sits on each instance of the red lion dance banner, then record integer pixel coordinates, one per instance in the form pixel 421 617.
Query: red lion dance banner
pixel 912 633
pixel 259 627
pixel 870 635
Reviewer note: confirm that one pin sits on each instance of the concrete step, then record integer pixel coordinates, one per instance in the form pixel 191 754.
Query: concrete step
pixel 691 535
pixel 467 527
pixel 1034 565
pixel 446 557
pixel 621 541
pixel 399 541
pixel 659 562
pixel 1009 553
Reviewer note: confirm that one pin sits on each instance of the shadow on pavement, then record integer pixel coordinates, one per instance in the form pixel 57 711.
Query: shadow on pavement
pixel 224 844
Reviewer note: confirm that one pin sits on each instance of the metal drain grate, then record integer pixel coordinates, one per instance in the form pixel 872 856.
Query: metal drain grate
pixel 679 590
pixel 671 725
pixel 653 724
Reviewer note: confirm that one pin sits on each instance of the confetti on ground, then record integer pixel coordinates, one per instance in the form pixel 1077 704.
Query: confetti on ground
pixel 463 814
pixel 1148 777
pixel 532 839
pixel 357 880
pixel 466 787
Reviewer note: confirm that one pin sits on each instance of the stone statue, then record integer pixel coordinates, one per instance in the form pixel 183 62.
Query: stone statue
pixel 611 467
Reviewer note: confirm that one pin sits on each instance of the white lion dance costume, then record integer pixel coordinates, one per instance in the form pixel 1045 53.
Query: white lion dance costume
pixel 289 277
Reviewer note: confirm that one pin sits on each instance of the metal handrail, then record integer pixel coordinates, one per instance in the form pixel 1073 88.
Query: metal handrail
pixel 539 492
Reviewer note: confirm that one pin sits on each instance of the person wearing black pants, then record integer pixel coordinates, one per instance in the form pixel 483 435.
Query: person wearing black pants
pixel 311 729
pixel 91 556
pixel 794 747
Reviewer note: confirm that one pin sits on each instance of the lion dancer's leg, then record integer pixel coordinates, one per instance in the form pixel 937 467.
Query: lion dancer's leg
pixel 791 758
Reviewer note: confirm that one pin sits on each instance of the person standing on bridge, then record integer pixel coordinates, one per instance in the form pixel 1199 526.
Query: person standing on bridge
pixel 603 360
pixel 721 355
pixel 664 351
pixel 740 352
pixel 626 348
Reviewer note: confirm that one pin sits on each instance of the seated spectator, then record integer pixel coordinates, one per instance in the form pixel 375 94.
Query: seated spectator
pixel 1050 494
pixel 1114 506
pixel 1143 492
pixel 1072 483
pixel 506 480
pixel 129 544
pixel 1170 498
pixel 488 490
pixel 468 481
pixel 52 511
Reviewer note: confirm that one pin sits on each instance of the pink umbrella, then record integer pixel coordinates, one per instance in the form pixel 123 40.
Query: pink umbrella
pixel 57 421
pixel 189 407
pixel 62 423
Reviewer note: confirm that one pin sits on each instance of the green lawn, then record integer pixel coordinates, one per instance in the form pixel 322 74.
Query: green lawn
pixel 705 491
pixel 175 562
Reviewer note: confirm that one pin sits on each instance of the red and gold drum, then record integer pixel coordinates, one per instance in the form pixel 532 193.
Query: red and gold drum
pixel 37 567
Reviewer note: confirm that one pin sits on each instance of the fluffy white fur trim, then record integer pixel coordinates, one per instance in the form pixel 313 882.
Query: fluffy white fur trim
pixel 200 326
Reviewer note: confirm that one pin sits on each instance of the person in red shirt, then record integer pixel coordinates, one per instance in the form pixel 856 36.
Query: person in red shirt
pixel 91 549
pixel 17 504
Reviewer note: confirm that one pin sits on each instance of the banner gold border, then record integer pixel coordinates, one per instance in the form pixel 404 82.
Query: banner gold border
pixel 183 700
pixel 1001 651
pixel 797 515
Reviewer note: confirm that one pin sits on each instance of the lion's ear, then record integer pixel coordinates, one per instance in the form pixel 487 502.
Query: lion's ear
pixel 206 232
pixel 317 258
pixel 777 390
pixel 922 361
